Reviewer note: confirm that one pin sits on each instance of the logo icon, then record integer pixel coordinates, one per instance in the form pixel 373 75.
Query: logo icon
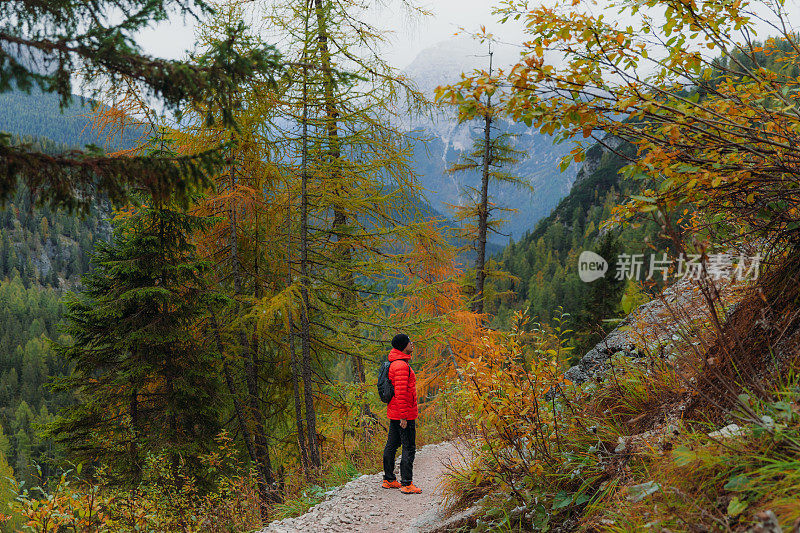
pixel 591 266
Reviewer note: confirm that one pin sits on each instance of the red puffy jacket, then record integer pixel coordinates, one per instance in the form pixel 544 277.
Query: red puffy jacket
pixel 403 404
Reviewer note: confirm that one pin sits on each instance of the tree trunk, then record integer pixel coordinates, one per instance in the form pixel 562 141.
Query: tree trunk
pixel 133 448
pixel 349 297
pixel 263 463
pixel 308 382
pixel 298 407
pixel 261 439
pixel 305 330
pixel 261 450
pixel 229 383
pixel 483 208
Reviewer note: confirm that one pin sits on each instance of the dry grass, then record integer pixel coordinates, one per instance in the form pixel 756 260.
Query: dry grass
pixel 757 342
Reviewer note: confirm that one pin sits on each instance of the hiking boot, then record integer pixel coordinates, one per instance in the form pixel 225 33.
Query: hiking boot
pixel 391 484
pixel 410 489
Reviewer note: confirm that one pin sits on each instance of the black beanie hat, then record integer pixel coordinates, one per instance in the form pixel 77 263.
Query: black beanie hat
pixel 400 341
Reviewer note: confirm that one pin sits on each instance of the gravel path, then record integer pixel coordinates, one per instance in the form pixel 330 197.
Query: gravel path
pixel 363 505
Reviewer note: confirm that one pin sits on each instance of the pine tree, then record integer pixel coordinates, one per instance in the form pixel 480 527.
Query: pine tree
pixel 601 300
pixel 5 254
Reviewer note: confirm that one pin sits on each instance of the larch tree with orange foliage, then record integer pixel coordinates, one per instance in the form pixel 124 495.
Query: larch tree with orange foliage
pixel 436 310
pixel 239 243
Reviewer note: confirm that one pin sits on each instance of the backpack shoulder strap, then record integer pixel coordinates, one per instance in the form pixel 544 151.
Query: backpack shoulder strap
pixel 409 367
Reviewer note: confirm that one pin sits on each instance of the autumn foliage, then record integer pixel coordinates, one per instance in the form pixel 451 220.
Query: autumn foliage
pixel 436 311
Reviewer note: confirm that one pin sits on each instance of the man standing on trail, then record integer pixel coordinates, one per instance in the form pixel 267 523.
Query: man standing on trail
pixel 402 411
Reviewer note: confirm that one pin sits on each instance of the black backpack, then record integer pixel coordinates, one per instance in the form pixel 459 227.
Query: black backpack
pixel 385 386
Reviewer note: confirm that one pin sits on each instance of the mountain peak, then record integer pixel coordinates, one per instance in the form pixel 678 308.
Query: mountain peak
pixel 444 62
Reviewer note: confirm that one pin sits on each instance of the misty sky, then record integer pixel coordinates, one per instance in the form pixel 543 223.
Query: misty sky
pixel 409 38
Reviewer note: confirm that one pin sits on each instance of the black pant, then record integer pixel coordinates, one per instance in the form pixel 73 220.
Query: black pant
pixel 397 436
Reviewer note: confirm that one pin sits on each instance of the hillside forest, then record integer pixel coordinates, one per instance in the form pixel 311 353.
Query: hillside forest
pixel 203 261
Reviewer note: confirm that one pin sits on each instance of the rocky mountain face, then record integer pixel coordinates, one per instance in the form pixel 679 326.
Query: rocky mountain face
pixel 658 328
pixel 595 157
pixel 440 140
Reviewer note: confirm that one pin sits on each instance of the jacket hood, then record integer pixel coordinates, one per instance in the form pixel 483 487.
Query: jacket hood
pixel 396 354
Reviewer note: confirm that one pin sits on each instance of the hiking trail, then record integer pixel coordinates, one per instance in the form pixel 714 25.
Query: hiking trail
pixel 363 505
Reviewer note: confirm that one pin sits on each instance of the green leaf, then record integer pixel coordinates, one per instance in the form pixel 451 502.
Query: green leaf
pixel 637 493
pixel 643 198
pixel 561 500
pixel 666 184
pixel 735 507
pixel 582 498
pixel 737 483
pixel 683 167
pixel 744 398
pixel 784 408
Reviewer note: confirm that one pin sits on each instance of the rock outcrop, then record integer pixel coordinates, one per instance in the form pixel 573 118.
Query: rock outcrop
pixel 678 316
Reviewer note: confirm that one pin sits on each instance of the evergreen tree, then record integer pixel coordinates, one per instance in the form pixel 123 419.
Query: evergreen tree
pixel 5 254
pixel 602 298
pixel 145 376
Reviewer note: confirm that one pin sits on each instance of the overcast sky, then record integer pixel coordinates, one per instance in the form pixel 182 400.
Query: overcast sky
pixel 409 37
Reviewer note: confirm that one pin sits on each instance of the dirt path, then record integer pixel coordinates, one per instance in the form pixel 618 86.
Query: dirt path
pixel 363 505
